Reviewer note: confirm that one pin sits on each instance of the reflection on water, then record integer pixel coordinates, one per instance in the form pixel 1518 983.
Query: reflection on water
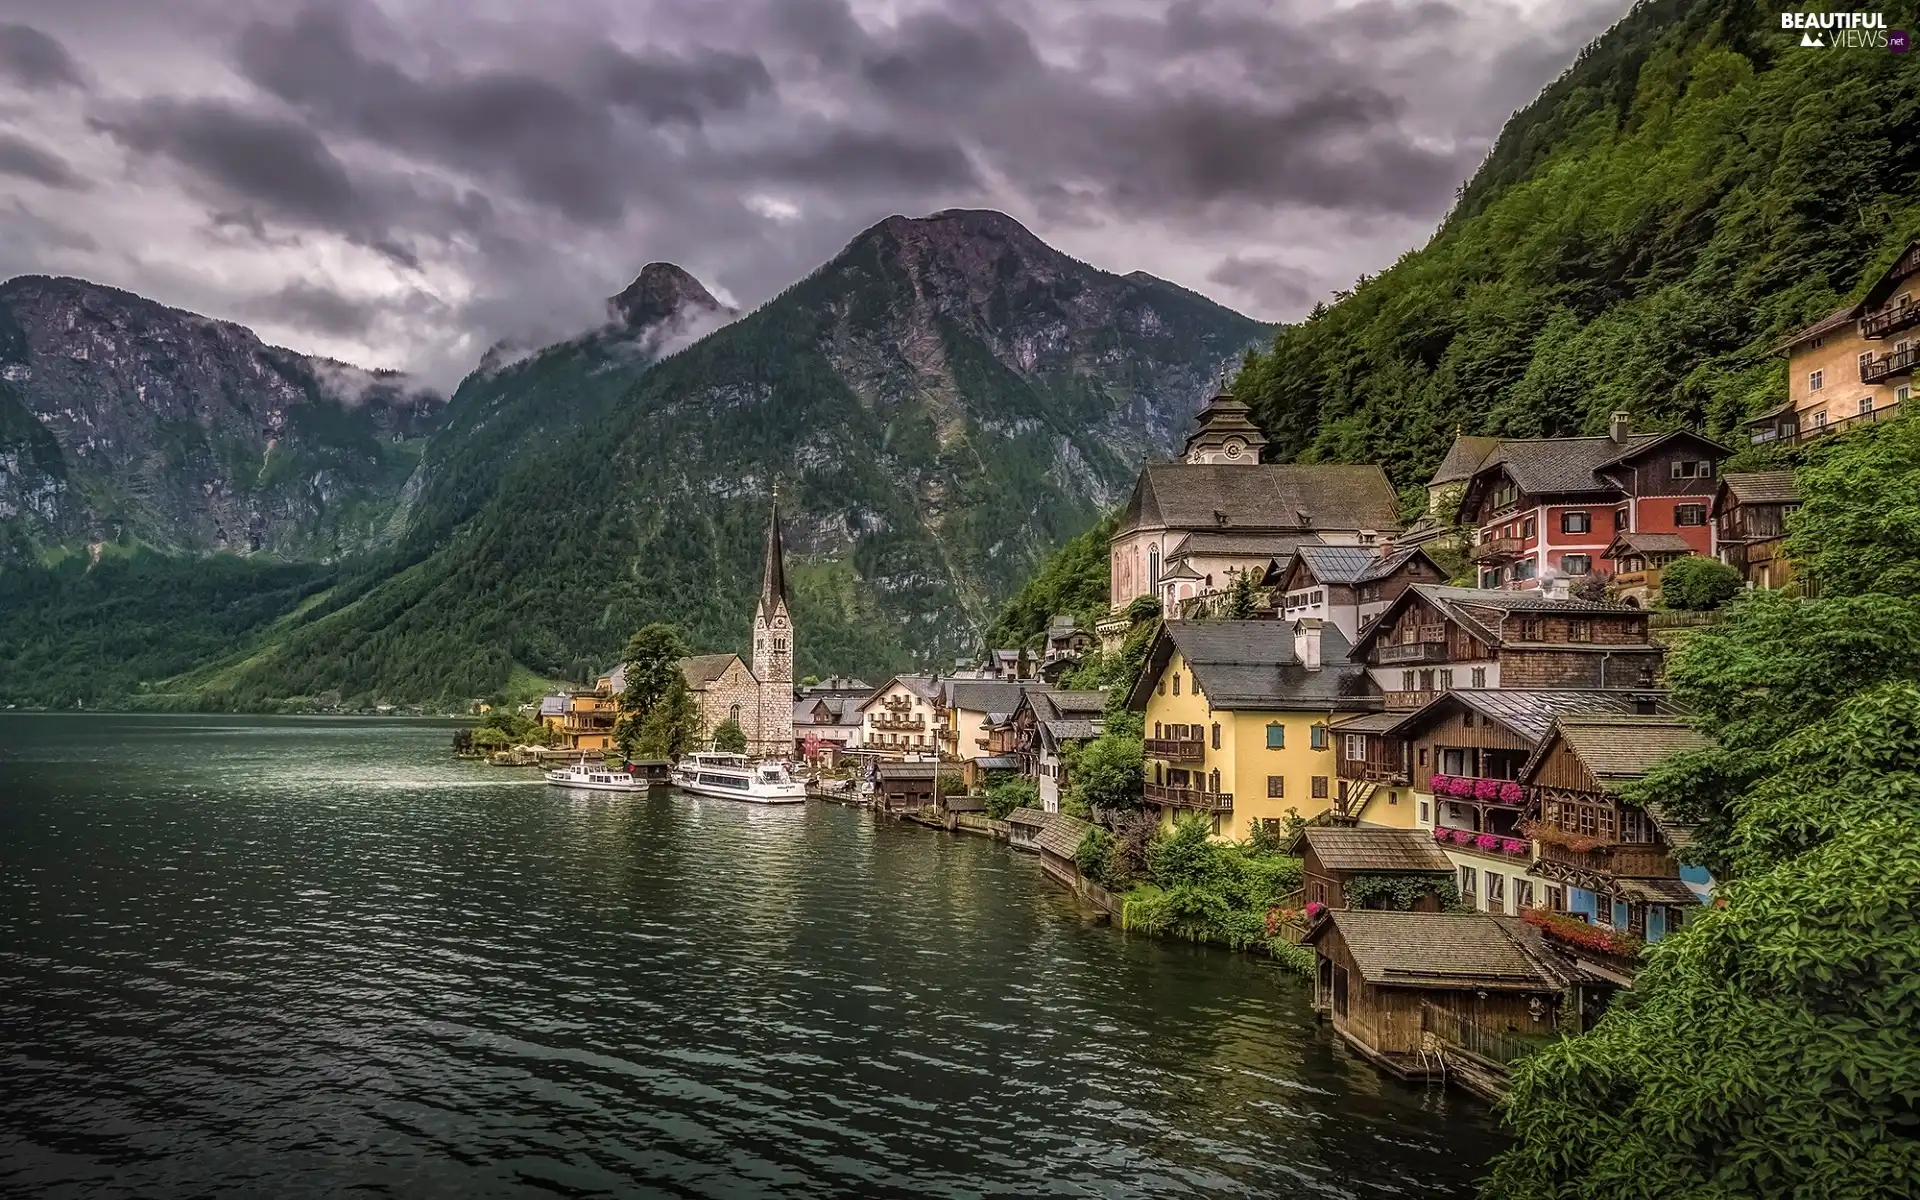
pixel 302 957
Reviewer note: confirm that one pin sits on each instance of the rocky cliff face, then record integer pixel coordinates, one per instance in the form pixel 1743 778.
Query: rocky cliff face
pixel 122 419
pixel 939 406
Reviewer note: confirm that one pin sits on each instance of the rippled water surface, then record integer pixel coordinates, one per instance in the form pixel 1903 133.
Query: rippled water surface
pixel 307 957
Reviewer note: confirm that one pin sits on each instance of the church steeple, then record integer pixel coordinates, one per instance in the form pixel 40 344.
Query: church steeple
pixel 773 650
pixel 1226 433
pixel 773 582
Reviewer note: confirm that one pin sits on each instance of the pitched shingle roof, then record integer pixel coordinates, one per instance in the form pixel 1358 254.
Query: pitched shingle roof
pixel 1072 730
pixel 1542 466
pixel 1242 545
pixel 1386 566
pixel 927 687
pixel 703 669
pixel 1627 746
pixel 1366 848
pixel 1650 543
pixel 1480 610
pixel 1028 816
pixel 1224 498
pixel 1061 835
pixel 1532 712
pixel 1435 950
pixel 1337 564
pixel 1378 722
pixel 908 770
pixel 1658 891
pixel 1762 487
pixel 1839 318
pixel 981 695
pixel 1251 665
pixel 1463 459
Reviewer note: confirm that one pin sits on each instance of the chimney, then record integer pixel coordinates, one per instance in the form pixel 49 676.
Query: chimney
pixel 1617 427
pixel 1306 642
pixel 1386 546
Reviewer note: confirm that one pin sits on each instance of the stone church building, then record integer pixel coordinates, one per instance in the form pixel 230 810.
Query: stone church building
pixel 758 697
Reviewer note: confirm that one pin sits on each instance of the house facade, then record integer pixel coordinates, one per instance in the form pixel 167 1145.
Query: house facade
pixel 580 720
pixel 1238 716
pixel 1547 509
pixel 1256 511
pixel 1750 523
pixel 1047 722
pixel 827 716
pixel 902 718
pixel 1349 586
pixel 1852 367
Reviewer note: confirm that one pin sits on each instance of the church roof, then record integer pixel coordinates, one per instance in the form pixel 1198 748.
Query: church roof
pixel 773 584
pixel 703 669
pixel 1268 497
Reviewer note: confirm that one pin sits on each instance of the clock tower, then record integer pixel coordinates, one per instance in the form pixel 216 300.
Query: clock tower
pixel 1226 435
pixel 773 651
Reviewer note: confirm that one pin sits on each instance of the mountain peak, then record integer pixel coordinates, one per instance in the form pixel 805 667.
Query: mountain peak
pixel 661 292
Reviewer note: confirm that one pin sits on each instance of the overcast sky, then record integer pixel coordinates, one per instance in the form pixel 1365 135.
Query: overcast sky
pixel 400 183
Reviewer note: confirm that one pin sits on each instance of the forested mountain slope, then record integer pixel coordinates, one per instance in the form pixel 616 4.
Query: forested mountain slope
pixel 1696 185
pixel 939 406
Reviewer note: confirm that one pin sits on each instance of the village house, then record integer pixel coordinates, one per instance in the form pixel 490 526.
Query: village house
pixel 1750 523
pixel 1548 508
pixel 1024 826
pixel 827 716
pixel 580 720
pixel 1244 513
pixel 1852 367
pixel 1067 646
pixel 905 787
pixel 902 718
pixel 1237 716
pixel 1366 867
pixel 1434 639
pixel 1637 560
pixel 1404 987
pixel 1349 586
pixel 1048 721
pixel 1619 867
pixel 970 709
pixel 1468 752
pixel 1058 842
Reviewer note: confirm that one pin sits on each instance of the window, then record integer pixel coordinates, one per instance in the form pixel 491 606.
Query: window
pixel 1692 469
pixel 1579 631
pixel 1815 381
pixel 1866 406
pixel 1276 787
pixel 1317 597
pixel 1356 747
pixel 1276 736
pixel 1522 893
pixel 1454 762
pixel 1469 884
pixel 1176 683
pixel 1406 681
pixel 1446 679
pixel 1556 900
pixel 1819 420
pixel 1466 719
pixel 1496 892
pixel 1530 629
pixel 1526 568
pixel 1153 567
pixel 1271 824
pixel 1317 737
pixel 1689 514
pixel 733 714
pixel 1319 787
pixel 1576 564
pixel 1528 528
pixel 1216 735
pixel 1576 522
pixel 1620 520
pixel 1479 677
pixel 1901 393
pixel 1490 579
pixel 1423 756
pixel 1426 812
pixel 1156 730
pixel 1816 343
pixel 1866 364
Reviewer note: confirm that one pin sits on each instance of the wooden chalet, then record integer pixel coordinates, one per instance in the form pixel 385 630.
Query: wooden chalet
pixel 906 786
pixel 1620 866
pixel 1058 841
pixel 1332 858
pixel 1403 987
pixel 1024 826
pixel 1750 524
pixel 1435 639
pixel 1638 559
pixel 1347 585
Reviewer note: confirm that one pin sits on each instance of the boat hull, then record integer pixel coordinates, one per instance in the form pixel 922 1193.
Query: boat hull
pixel 570 785
pixel 775 795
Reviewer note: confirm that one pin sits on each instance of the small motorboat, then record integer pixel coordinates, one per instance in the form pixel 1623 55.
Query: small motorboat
pixel 590 779
pixel 736 778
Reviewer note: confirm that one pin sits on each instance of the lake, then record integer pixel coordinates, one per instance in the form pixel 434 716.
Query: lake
pixel 311 956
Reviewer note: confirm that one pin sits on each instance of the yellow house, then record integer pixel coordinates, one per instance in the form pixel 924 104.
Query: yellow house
pixel 581 720
pixel 1238 720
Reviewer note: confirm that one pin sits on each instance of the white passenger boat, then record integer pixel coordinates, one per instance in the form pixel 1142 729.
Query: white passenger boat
pixel 595 779
pixel 732 776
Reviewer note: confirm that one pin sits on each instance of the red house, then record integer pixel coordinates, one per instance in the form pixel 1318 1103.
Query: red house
pixel 1549 508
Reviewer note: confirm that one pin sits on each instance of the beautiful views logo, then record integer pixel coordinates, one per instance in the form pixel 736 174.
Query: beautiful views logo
pixel 1854 30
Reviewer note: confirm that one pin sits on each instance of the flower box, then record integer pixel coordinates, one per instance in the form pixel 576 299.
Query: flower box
pixel 1576 932
pixel 1487 841
pixel 1515 846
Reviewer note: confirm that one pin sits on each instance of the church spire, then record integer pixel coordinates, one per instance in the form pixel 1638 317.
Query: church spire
pixel 773 585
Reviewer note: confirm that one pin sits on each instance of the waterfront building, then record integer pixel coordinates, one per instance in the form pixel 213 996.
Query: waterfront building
pixel 905 786
pixel 581 720
pixel 828 712
pixel 1238 717
pixel 1220 510
pixel 1750 524
pixel 1619 867
pixel 970 709
pixel 1852 367
pixel 902 718
pixel 1349 586
pixel 1058 842
pixel 1433 639
pixel 1046 722
pixel 1547 509
pixel 1343 867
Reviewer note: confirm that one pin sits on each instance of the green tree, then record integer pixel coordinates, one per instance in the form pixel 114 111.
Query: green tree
pixel 1006 796
pixel 1243 596
pixel 671 725
pixel 652 661
pixel 1696 584
pixel 1772 1046
pixel 1109 772
pixel 729 737
pixel 1858 529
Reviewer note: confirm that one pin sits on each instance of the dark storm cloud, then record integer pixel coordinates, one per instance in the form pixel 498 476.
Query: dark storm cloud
pixel 34 60
pixel 508 166
pixel 23 158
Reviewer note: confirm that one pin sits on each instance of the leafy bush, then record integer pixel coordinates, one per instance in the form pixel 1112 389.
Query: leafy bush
pixel 729 737
pixel 1094 855
pixel 1207 890
pixel 1696 584
pixel 1003 798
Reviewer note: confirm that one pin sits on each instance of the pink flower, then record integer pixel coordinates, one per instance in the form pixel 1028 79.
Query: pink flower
pixel 1315 909
pixel 1487 841
pixel 1462 837
pixel 1486 789
pixel 1511 793
pixel 1514 846
pixel 1442 784
pixel 1441 835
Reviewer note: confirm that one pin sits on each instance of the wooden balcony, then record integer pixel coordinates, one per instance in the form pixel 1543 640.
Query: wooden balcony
pixel 883 721
pixel 1634 579
pixel 1182 797
pixel 1405 653
pixel 1177 749
pixel 1397 701
pixel 1378 772
pixel 1630 860
pixel 1886 366
pixel 1808 433
pixel 1892 320
pixel 1500 549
